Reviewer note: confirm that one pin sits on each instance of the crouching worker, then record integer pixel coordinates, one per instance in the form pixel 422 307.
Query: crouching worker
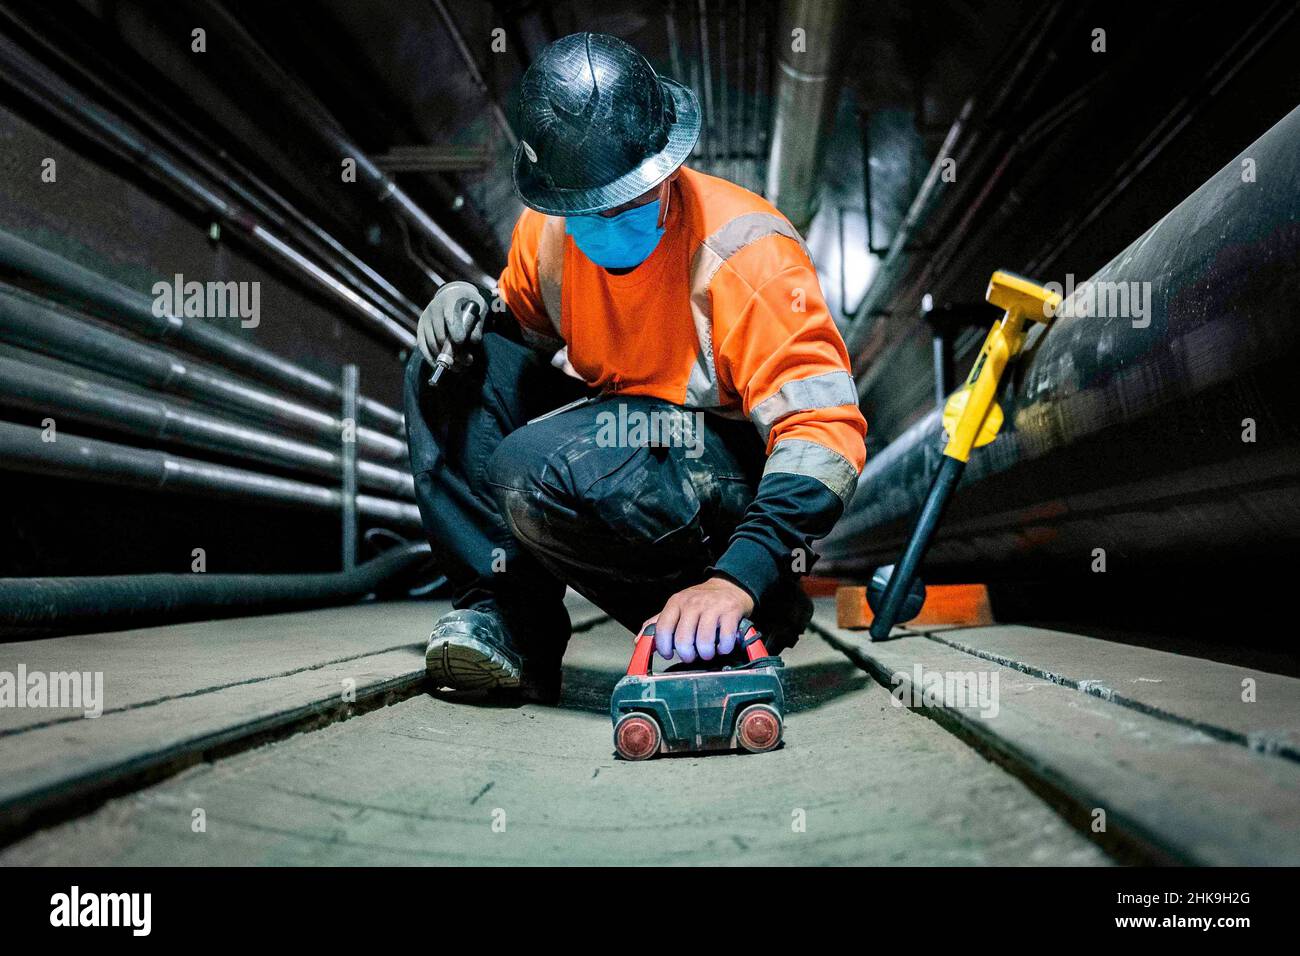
pixel 671 422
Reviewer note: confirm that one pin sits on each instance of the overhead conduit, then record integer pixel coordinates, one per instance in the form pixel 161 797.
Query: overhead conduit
pixel 139 103
pixel 807 90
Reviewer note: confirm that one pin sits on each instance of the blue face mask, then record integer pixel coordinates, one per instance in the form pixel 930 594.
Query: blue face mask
pixel 617 242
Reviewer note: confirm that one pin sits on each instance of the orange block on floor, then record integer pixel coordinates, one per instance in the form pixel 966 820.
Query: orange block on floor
pixel 964 604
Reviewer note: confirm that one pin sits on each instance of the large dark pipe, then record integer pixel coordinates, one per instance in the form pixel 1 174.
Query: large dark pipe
pixel 1170 439
pixel 27 449
pixel 32 607
pixel 135 311
pixel 33 324
pixel 30 382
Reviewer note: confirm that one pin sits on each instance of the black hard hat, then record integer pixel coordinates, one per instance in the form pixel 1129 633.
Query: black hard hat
pixel 598 127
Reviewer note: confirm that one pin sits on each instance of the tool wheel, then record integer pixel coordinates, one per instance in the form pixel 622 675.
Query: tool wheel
pixel 637 736
pixel 758 728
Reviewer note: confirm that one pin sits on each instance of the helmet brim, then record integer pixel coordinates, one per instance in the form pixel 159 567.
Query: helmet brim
pixel 652 171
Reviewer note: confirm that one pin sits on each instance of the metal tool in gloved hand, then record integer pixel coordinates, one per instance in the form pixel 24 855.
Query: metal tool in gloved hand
pixel 971 418
pixel 453 320
pixel 684 711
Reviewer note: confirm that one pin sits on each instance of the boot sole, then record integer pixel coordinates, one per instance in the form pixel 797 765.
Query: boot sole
pixel 463 663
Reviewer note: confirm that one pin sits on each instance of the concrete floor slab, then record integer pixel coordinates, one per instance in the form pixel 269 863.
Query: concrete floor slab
pixel 1242 704
pixel 1174 791
pixel 177 694
pixel 145 666
pixel 436 780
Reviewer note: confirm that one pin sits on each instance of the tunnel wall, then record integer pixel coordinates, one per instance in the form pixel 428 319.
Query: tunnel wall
pixel 99 215
pixel 1131 437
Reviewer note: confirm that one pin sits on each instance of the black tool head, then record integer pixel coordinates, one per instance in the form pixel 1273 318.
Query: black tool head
pixel 912 603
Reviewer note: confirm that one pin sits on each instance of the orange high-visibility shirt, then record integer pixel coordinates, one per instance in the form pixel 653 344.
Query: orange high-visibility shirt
pixel 726 315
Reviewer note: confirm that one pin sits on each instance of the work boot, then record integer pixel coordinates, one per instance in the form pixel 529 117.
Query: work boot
pixel 471 650
pixel 487 649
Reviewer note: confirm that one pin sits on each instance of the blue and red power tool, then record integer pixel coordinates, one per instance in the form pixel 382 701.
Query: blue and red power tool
pixel 690 711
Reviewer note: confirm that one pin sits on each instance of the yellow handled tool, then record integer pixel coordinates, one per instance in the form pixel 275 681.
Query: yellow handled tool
pixel 971 418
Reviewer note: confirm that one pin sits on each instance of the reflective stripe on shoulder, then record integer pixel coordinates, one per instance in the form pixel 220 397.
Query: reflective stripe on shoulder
pixel 797 456
pixel 828 390
pixel 550 269
pixel 702 388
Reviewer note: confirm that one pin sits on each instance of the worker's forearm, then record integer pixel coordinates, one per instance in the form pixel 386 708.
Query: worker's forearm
pixel 774 539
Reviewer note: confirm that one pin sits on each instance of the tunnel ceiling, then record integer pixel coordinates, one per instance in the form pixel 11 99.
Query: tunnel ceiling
pixel 395 76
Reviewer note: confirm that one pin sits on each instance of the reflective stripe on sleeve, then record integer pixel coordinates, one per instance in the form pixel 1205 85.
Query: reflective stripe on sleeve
pixel 828 390
pixel 797 456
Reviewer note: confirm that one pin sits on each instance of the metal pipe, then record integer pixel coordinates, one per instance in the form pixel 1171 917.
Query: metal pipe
pixel 31 607
pixel 33 324
pixel 742 110
pixel 871 363
pixel 807 92
pixel 1160 433
pixel 950 257
pixel 44 86
pixel 33 383
pixel 24 449
pixel 674 45
pixel 348 458
pixel 706 77
pixel 770 25
pixel 135 311
pixel 724 118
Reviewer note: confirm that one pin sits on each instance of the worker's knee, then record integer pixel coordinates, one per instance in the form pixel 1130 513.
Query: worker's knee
pixel 557 480
pixel 517 464
pixel 517 478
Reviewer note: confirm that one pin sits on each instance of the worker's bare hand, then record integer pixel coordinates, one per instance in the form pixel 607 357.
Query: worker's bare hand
pixel 702 621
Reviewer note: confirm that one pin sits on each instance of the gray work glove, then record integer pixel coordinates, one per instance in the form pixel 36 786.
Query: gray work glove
pixel 446 319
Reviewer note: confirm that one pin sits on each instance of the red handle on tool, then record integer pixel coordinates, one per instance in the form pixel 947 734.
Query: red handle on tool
pixel 639 666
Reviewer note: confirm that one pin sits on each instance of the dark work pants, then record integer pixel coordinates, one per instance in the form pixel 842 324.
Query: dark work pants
pixel 515 511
